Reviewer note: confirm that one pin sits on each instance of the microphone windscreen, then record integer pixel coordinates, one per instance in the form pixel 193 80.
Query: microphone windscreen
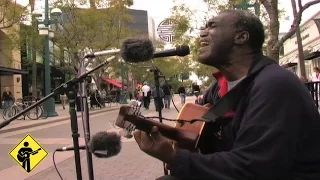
pixel 104 145
pixel 136 50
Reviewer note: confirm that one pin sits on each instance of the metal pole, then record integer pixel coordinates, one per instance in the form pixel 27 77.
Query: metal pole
pixel 123 99
pixel 85 118
pixel 49 106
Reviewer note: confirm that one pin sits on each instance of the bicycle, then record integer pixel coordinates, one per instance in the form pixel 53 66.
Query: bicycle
pixel 32 99
pixel 16 108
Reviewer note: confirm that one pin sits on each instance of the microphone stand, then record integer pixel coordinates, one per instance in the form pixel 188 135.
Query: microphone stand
pixel 74 129
pixel 156 74
pixel 85 118
pixel 65 87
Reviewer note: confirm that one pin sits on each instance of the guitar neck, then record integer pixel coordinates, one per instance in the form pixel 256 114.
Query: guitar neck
pixel 144 124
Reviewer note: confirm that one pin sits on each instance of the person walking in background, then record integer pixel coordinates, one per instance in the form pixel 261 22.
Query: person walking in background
pixel 7 98
pixel 146 93
pixel 157 99
pixel 167 95
pixel 315 77
pixel 196 90
pixel 63 99
pixel 182 94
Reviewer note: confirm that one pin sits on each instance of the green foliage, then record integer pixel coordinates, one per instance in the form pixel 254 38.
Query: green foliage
pixel 11 13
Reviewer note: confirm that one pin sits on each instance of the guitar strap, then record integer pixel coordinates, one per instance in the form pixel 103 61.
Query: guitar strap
pixel 231 99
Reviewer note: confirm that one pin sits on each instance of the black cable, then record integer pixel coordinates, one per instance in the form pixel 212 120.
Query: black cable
pixel 55 165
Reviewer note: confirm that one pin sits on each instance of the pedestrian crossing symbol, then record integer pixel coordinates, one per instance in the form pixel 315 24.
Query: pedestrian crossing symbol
pixel 28 153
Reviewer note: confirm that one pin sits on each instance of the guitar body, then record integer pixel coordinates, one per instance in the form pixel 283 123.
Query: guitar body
pixel 22 158
pixel 189 112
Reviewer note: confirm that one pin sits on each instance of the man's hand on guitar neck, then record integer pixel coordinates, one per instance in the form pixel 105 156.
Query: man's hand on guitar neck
pixel 155 145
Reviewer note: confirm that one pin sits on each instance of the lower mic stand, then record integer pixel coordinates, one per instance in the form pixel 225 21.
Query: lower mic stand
pixel 75 133
pixel 157 76
pixel 85 119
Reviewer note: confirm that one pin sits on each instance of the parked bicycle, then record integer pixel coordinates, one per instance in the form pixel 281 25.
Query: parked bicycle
pixel 30 100
pixel 17 107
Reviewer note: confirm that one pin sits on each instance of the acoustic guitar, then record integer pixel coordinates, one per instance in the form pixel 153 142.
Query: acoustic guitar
pixel 24 156
pixel 186 133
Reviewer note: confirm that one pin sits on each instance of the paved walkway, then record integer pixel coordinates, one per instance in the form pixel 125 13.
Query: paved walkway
pixel 63 114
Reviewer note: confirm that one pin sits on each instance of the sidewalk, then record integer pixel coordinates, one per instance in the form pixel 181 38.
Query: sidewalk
pixel 63 114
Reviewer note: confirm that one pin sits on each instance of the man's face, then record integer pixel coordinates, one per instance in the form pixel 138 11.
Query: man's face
pixel 216 40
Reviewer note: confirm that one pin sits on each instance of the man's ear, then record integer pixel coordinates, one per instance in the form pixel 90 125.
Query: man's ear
pixel 241 37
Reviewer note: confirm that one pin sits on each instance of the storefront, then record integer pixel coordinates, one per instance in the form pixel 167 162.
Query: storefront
pixel 11 77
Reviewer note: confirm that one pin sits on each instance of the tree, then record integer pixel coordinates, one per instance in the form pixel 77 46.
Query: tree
pixel 185 15
pixel 81 31
pixel 274 42
pixel 302 67
pixel 11 13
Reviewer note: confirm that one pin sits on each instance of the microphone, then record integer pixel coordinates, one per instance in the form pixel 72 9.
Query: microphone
pixel 102 53
pixel 182 50
pixel 137 50
pixel 141 48
pixel 102 145
pixel 70 148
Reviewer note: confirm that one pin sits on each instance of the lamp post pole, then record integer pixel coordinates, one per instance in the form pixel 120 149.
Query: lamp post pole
pixel 244 5
pixel 49 106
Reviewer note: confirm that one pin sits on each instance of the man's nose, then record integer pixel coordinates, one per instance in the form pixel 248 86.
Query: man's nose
pixel 203 32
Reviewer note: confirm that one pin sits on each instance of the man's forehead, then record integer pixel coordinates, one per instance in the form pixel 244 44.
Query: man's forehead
pixel 225 16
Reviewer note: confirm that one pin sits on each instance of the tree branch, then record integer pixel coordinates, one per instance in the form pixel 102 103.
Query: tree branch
pixel 295 24
pixel 267 5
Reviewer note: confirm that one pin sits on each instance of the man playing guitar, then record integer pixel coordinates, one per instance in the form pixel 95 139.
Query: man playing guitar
pixel 24 156
pixel 274 130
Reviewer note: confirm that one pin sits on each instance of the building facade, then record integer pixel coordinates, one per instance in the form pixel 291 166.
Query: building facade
pixel 10 63
pixel 310 34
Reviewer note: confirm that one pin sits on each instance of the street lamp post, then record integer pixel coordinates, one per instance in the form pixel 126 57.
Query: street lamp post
pixel 244 5
pixel 49 106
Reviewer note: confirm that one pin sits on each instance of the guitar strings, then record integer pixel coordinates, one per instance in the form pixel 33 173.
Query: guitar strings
pixel 175 120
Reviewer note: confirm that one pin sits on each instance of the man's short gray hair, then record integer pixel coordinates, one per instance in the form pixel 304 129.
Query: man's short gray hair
pixel 247 21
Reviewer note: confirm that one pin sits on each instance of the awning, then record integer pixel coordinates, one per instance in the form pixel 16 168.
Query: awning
pixel 11 71
pixel 113 82
pixel 289 65
pixel 313 55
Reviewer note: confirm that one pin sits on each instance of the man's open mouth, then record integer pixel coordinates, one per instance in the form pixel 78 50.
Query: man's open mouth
pixel 204 44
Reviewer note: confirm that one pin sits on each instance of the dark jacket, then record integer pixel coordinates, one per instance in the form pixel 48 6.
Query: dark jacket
pixel 181 90
pixel 166 89
pixel 274 135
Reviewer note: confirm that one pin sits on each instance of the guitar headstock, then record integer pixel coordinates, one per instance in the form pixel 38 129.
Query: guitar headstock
pixel 125 114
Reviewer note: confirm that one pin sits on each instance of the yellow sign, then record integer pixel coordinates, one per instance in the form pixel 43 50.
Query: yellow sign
pixel 28 153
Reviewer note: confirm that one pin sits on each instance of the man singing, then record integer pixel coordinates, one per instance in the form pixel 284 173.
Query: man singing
pixel 275 130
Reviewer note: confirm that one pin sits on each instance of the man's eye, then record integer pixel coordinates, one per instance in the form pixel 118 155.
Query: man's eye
pixel 211 25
